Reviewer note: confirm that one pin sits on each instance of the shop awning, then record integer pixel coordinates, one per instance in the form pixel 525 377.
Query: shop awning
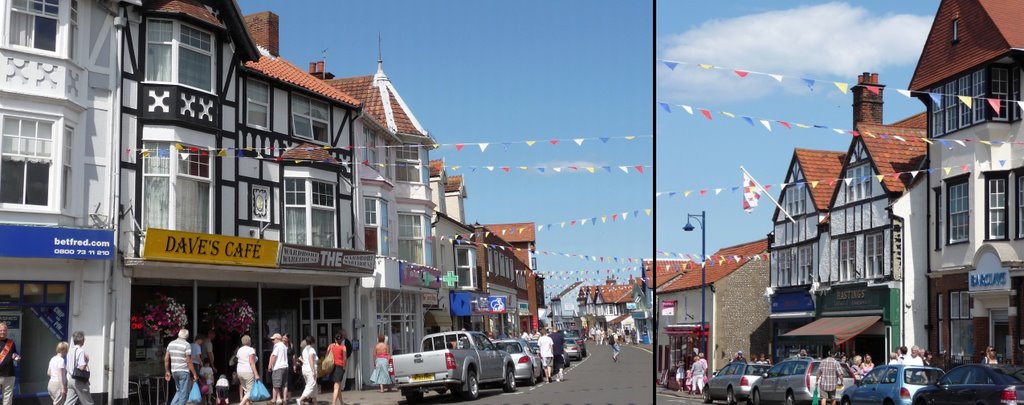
pixel 618 319
pixel 836 330
pixel 437 317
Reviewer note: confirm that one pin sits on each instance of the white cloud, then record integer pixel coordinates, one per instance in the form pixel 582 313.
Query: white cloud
pixel 834 41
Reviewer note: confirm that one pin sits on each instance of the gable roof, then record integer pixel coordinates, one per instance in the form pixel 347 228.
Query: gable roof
pixel 517 232
pixel 891 155
pixel 987 30
pixel 716 271
pixel 281 69
pixel 191 8
pixel 381 101
pixel 823 166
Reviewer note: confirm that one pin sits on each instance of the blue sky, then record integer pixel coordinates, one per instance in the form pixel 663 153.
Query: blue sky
pixel 508 72
pixel 831 41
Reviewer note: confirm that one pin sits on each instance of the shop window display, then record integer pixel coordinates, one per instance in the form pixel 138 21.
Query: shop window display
pixel 37 318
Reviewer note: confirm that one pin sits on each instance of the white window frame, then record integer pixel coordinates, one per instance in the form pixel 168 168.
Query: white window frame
pixel 1020 205
pixel 860 186
pixel 978 78
pixel 997 215
pixel 469 267
pixel 66 172
pixel 421 238
pixel 310 195
pixel 311 106
pixel 26 8
pixel 1001 90
pixel 408 160
pixel 379 208
pixel 960 314
pixel 874 255
pixel 173 174
pixel 796 200
pixel 847 259
pixel 938 120
pixel 806 264
pixel 785 268
pixel 370 152
pixel 958 205
pixel 951 101
pixel 251 101
pixel 46 143
pixel 176 45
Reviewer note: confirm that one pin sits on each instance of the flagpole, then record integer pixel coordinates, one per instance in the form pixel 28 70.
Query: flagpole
pixel 767 193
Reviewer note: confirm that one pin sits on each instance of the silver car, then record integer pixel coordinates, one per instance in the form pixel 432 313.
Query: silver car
pixel 792 381
pixel 527 360
pixel 732 383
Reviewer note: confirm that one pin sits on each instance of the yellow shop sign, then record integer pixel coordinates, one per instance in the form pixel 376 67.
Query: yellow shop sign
pixel 190 247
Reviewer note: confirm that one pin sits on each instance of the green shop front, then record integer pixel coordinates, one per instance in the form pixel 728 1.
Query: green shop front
pixel 857 319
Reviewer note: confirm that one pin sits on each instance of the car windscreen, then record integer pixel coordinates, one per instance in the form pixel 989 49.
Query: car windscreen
pixel 921 376
pixel 572 335
pixel 756 369
pixel 511 347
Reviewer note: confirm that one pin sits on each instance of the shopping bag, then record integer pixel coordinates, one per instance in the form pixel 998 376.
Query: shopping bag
pixel 814 397
pixel 326 366
pixel 194 397
pixel 259 392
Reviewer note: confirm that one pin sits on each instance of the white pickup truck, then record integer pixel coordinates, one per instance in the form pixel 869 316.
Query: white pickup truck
pixel 456 361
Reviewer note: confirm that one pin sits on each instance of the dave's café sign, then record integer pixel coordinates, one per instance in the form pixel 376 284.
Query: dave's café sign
pixel 190 247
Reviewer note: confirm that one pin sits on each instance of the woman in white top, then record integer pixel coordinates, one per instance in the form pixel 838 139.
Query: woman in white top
pixel 247 371
pixel 57 387
pixel 310 361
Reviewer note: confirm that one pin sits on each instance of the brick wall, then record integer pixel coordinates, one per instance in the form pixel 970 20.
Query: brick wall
pixel 263 28
pixel 867 106
pixel 741 317
pixel 943 285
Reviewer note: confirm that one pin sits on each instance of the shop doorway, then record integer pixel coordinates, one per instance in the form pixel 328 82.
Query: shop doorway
pixel 999 332
pixel 326 320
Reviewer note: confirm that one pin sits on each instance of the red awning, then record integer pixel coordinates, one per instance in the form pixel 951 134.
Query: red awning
pixel 841 329
pixel 685 330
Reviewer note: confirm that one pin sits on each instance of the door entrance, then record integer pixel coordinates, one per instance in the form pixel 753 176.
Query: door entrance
pixel 1000 333
pixel 326 320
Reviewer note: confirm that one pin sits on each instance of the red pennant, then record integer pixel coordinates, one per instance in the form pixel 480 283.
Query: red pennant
pixel 702 192
pixel 193 149
pixel 613 217
pixel 505 169
pixel 574 168
pixel 873 89
pixel 741 73
pixel 639 169
pixel 573 222
pixel 767 186
pixel 963 168
pixel 854 133
pixel 554 141
pixel 707 114
pixel 279 158
pixel 366 162
pixel 785 124
pixel 459 146
pixel 996 106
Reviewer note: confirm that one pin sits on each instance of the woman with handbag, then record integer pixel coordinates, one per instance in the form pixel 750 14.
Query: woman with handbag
pixel 336 352
pixel 248 373
pixel 309 363
pixel 78 373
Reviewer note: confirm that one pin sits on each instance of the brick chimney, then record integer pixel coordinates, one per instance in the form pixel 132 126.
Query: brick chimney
pixel 609 281
pixel 317 69
pixel 263 30
pixel 867 106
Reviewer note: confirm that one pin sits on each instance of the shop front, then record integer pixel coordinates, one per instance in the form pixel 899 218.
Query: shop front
pixel 989 287
pixel 857 319
pixel 790 310
pixel 525 319
pixel 683 343
pixel 475 310
pixel 54 283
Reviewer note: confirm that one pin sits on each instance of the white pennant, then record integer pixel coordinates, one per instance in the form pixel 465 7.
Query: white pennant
pixel 717 191
pixel 848 180
pixel 838 131
pixel 625 169
pixel 557 169
pixel 904 92
pixel 579 141
pixel 767 125
pixel 625 215
pixel 690 109
pixel 483 146
pixel 777 78
pixel 184 155
pixel 1020 104
pixel 489 168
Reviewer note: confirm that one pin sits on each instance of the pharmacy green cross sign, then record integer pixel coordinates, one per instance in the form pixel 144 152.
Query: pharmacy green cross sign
pixel 450 278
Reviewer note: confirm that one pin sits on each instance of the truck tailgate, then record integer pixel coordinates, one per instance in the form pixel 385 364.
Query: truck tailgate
pixel 415 364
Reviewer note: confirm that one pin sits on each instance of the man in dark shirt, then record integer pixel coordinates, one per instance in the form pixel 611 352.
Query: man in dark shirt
pixel 558 349
pixel 8 357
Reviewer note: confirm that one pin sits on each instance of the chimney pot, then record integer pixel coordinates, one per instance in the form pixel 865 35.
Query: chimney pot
pixel 312 67
pixel 263 28
pixel 874 78
pixel 320 67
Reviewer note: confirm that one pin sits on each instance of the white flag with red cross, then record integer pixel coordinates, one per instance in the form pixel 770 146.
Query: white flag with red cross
pixel 750 193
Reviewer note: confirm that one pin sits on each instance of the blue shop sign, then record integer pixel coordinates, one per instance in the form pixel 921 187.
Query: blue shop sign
pixel 466 303
pixel 56 243
pixel 797 301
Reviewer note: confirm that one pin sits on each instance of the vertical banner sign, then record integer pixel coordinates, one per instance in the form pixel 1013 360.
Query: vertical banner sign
pixel 261 203
pixel 897 248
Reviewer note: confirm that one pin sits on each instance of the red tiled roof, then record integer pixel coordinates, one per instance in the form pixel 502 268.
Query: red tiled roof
pixel 987 29
pixel 916 121
pixel 435 167
pixel 188 7
pixel 822 166
pixel 362 87
pixel 891 155
pixel 453 184
pixel 518 232
pixel 716 271
pixel 280 69
pixel 667 269
pixel 308 151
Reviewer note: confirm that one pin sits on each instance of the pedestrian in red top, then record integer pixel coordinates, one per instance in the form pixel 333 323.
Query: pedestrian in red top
pixel 337 351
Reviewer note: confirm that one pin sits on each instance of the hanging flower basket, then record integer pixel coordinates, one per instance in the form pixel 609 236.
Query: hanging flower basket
pixel 233 316
pixel 164 317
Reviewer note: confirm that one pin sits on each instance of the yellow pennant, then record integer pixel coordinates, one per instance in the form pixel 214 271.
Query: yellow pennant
pixel 706 66
pixel 947 169
pixel 798 125
pixel 454 168
pixel 630 138
pixel 222 153
pixel 728 114
pixel 179 147
pixel 814 184
pixel 590 169
pixel 647 211
pixel 687 193
pixel 521 230
pixel 524 167
pixel 880 177
pixel 925 140
pixel 145 153
pixel 842 86
pixel 530 143
pixel 986 143
pixel 966 100
pixel 604 219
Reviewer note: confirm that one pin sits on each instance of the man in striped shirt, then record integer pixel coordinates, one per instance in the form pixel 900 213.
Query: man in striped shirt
pixel 178 363
pixel 829 377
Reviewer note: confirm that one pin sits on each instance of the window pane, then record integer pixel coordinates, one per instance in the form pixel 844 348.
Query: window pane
pixel 295 225
pixel 37 183
pixel 158 62
pixel 195 38
pixel 194 69
pixel 156 202
pixel 320 131
pixel 257 115
pixel 33 293
pixel 12 182
pixel 323 228
pixel 371 212
pixel 56 293
pixel 303 126
pixel 192 205
pixel 45 34
pixel 10 293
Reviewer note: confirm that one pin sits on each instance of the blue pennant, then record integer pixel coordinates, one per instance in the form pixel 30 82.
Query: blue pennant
pixel 809 83
pixel 665 106
pixel 671 65
pixel 748 120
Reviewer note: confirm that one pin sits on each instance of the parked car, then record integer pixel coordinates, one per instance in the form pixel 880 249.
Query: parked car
pixel 891 384
pixel 732 383
pixel 573 337
pixel 529 367
pixel 792 381
pixel 975 384
pixel 456 361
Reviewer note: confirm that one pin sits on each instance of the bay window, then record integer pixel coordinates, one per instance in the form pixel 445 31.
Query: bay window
pixel 967 90
pixel 65 177
pixel 995 213
pixel 465 266
pixel 178 53
pixel 176 191
pixel 257 98
pixel 957 211
pixel 34 24
pixel 27 156
pixel 785 268
pixel 310 118
pixel 309 207
pixel 411 238
pixel 408 160
pixel 370 148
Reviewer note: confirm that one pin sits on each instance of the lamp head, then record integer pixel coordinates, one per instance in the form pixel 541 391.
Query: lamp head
pixel 688 227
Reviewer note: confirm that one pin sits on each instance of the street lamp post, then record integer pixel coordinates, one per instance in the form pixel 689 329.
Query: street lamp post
pixel 702 220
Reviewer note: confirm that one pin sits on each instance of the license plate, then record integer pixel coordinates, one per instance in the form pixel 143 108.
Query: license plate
pixel 422 377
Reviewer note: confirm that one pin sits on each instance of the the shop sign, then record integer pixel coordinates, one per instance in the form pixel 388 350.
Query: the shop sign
pixel 497 305
pixel 191 247
pixel 429 299
pixel 524 308
pixel 56 243
pixel 631 306
pixel 995 280
pixel 327 259
pixel 797 301
pixel 668 308
pixel 464 303
pixel 419 276
pixel 855 299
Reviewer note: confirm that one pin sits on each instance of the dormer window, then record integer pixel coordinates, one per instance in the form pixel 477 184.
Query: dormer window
pixel 309 118
pixel 956 31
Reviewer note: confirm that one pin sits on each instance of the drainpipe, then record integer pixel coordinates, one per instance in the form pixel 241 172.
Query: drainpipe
pixel 114 163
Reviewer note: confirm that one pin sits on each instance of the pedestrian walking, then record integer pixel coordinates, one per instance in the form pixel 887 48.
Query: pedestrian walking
pixel 310 362
pixel 559 352
pixel 681 375
pixel 248 373
pixel 990 356
pixel 698 368
pixel 616 349
pixel 197 351
pixel 546 353
pixel 829 377
pixel 9 357
pixel 338 352
pixel 277 367
pixel 57 387
pixel 382 354
pixel 208 348
pixel 177 364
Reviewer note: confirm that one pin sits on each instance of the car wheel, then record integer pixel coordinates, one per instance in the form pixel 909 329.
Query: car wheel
pixel 730 398
pixel 846 401
pixel 510 380
pixel 756 398
pixel 789 399
pixel 707 396
pixel 473 389
pixel 531 380
pixel 413 396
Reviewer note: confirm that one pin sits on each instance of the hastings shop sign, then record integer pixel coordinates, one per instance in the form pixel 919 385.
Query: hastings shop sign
pixel 190 247
pixel 327 259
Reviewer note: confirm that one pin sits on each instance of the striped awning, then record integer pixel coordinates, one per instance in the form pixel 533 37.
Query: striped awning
pixel 839 329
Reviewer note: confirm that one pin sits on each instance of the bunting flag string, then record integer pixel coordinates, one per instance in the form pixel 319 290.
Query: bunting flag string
pixel 546 169
pixel 593 258
pixel 603 219
pixel 593 271
pixel 695 260
pixel 842 86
